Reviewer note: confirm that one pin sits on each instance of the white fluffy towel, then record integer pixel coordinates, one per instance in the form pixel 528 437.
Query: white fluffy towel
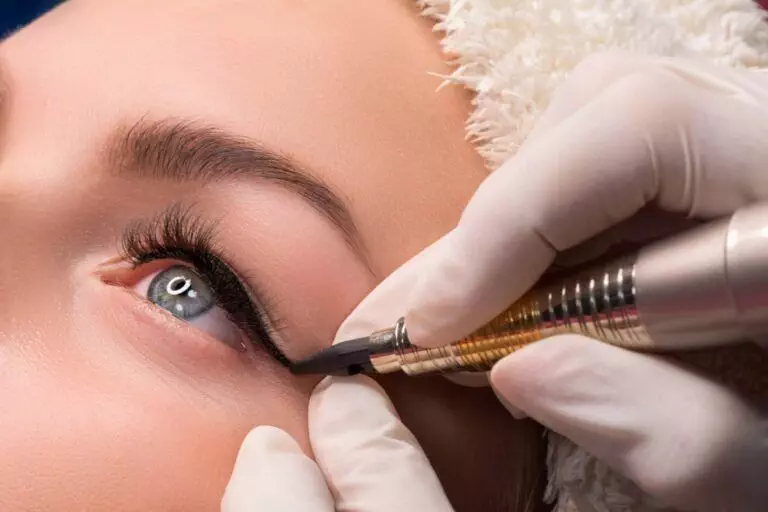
pixel 513 54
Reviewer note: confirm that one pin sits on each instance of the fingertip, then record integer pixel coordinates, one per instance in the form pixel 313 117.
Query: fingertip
pixel 511 370
pixel 272 473
pixel 347 384
pixel 424 332
pixel 344 397
pixel 503 378
pixel 516 412
pixel 263 443
pixel 464 288
pixel 384 305
pixel 436 307
pixel 527 373
pixel 266 438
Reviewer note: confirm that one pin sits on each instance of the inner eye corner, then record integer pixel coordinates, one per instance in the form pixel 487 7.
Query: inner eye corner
pixel 128 272
pixel 115 271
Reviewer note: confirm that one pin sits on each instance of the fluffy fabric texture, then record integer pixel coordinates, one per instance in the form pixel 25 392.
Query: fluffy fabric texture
pixel 513 54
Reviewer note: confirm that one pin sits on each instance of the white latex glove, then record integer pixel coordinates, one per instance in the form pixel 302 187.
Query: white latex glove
pixel 624 131
pixel 367 460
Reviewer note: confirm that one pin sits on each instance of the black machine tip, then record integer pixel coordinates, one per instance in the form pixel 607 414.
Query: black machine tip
pixel 346 358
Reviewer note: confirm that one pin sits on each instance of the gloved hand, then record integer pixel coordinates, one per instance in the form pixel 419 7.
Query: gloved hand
pixel 623 131
pixel 367 460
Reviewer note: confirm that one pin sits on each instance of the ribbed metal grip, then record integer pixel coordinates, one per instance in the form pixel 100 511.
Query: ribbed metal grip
pixel 600 304
pixel 684 296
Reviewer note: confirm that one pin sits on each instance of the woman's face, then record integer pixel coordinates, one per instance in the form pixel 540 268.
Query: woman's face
pixel 176 174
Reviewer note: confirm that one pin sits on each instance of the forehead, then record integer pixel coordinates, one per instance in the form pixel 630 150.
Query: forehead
pixel 345 91
pixel 244 64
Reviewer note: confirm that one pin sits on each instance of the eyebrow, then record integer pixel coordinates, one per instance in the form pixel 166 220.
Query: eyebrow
pixel 183 151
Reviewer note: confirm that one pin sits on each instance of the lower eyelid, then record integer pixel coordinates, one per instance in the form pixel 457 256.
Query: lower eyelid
pixel 167 334
pixel 211 323
pixel 124 276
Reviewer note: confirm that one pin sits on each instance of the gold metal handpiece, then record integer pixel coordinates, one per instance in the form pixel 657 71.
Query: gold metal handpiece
pixel 698 297
pixel 600 304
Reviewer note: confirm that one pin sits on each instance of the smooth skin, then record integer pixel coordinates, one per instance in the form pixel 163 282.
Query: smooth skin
pixel 108 402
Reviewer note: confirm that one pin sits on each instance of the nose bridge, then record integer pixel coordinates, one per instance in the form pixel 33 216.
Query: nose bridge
pixel 12 243
pixel 34 286
pixel 38 216
pixel 26 249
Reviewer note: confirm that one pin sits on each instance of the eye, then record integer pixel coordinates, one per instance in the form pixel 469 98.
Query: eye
pixel 182 292
pixel 221 302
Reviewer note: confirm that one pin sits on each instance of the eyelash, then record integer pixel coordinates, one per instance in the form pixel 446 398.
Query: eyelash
pixel 177 234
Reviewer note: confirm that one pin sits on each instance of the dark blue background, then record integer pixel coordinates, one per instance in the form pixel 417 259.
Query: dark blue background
pixel 15 13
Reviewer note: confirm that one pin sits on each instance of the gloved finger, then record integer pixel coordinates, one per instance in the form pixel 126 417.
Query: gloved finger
pixel 515 411
pixel 382 307
pixel 273 474
pixel 586 81
pixel 665 427
pixel 371 460
pixel 671 136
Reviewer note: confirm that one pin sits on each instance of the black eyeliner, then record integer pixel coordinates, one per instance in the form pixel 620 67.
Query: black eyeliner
pixel 178 234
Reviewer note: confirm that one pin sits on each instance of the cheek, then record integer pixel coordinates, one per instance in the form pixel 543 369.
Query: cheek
pixel 95 416
pixel 63 446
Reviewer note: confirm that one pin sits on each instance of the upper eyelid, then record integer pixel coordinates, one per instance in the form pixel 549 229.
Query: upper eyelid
pixel 178 233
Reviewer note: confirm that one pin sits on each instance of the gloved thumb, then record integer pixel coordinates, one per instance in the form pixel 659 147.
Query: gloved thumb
pixel 272 474
pixel 670 430
pixel 371 460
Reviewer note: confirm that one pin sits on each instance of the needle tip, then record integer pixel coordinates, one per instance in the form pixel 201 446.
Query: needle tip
pixel 346 358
